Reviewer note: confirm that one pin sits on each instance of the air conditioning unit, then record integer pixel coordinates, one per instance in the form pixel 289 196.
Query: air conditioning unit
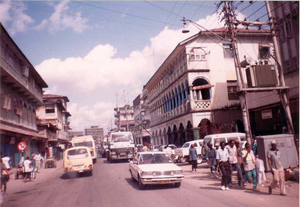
pixel 261 76
pixel 25 71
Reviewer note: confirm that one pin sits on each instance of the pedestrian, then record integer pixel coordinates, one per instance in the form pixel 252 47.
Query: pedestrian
pixel 223 162
pixel 4 177
pixel 27 169
pixel 145 148
pixel 193 157
pixel 249 164
pixel 275 164
pixel 240 155
pixel 33 173
pixel 6 161
pixel 218 170
pixel 232 151
pixel 38 161
pixel 254 146
pixel 211 159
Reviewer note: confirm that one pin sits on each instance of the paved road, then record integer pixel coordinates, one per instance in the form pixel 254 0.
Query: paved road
pixel 110 185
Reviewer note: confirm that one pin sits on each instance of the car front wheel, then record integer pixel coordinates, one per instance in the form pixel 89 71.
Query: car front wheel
pixel 141 185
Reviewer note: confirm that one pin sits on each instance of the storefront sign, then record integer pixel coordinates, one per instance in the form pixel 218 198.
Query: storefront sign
pixel 22 146
pixel 266 114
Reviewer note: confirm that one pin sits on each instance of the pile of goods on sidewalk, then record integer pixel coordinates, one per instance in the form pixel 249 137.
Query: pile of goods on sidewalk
pixel 292 174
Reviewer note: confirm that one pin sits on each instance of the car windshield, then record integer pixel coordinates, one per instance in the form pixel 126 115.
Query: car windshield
pixel 155 159
pixel 77 154
pixel 121 137
pixel 186 145
pixel 85 144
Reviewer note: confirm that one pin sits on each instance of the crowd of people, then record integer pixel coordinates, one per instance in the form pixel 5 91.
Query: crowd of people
pixel 224 158
pixel 30 167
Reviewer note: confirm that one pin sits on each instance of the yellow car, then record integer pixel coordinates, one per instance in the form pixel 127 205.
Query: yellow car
pixel 78 160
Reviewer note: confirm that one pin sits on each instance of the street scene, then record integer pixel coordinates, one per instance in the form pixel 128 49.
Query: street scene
pixel 152 103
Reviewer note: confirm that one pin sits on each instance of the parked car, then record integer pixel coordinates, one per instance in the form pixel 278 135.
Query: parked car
pixel 182 154
pixel 77 160
pixel 224 137
pixel 150 168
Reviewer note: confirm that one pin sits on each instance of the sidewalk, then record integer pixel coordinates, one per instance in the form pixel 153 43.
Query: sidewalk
pixel 205 181
pixel 14 186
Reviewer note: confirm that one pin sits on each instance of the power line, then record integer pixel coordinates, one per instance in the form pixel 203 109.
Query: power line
pixel 75 15
pixel 273 10
pixel 132 15
pixel 256 10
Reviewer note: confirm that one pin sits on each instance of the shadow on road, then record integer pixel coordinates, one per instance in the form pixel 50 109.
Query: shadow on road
pixel 135 185
pixel 74 175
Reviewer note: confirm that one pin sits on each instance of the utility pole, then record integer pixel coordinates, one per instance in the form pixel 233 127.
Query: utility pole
pixel 240 82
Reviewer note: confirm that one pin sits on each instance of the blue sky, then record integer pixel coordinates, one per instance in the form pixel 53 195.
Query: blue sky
pixel 89 51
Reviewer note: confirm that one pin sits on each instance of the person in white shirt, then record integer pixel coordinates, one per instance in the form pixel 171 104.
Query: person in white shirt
pixel 6 161
pixel 223 162
pixel 27 169
pixel 38 161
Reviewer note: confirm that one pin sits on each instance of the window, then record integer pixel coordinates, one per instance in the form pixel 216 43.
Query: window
pixel 232 90
pixel 264 52
pixel 49 111
pixel 295 63
pixel 227 51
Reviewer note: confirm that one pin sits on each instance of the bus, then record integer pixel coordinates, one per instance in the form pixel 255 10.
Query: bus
pixel 86 141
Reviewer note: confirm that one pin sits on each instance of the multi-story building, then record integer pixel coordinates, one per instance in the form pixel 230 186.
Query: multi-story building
pixel 142 131
pixel 193 93
pixel 124 118
pixel 53 120
pixel 266 107
pixel 21 94
pixel 97 133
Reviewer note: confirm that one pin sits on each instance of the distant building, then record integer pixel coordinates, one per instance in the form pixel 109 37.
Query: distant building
pixel 21 94
pixel 124 118
pixel 97 133
pixel 53 121
pixel 142 130
pixel 75 134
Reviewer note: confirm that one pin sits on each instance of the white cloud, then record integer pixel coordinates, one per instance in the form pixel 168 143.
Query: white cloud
pixel 12 14
pixel 85 116
pixel 100 69
pixel 61 20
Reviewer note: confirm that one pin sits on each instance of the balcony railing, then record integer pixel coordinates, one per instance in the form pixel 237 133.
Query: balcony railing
pixel 20 79
pixel 202 105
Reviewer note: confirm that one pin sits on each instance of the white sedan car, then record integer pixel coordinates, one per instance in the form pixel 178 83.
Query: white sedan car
pixel 150 168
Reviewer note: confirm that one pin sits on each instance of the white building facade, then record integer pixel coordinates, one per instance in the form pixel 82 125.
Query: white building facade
pixel 193 93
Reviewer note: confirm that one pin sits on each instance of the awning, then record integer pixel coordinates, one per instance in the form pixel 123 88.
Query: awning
pixel 202 86
pixel 21 131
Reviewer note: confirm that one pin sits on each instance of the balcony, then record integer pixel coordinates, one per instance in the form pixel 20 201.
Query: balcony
pixel 20 80
pixel 201 105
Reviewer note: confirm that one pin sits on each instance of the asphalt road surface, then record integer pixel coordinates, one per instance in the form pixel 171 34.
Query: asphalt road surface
pixel 110 185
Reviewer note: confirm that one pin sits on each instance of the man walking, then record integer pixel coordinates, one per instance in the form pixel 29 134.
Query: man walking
pixel 232 151
pixel 275 164
pixel 27 169
pixel 38 161
pixel 193 157
pixel 249 164
pixel 211 159
pixel 223 162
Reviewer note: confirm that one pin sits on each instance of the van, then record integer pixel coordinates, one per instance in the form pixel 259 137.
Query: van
pixel 182 153
pixel 86 141
pixel 77 159
pixel 224 137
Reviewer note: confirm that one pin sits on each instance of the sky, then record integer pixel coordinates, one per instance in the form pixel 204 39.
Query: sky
pixel 100 53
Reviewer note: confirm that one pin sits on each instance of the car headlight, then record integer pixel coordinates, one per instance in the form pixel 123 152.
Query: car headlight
pixel 143 173
pixel 178 172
